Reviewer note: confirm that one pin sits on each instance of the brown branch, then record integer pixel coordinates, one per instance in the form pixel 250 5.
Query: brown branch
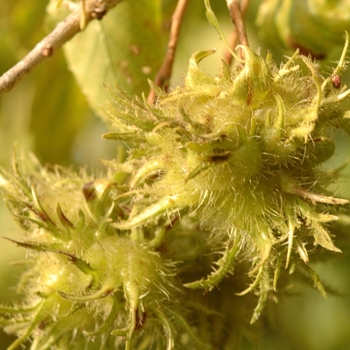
pixel 63 32
pixel 237 13
pixel 164 73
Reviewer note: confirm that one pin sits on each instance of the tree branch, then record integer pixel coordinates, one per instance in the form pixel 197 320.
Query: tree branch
pixel 164 73
pixel 63 32
pixel 237 12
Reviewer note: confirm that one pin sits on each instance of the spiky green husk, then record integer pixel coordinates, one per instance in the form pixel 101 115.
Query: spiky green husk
pixel 316 27
pixel 87 284
pixel 241 153
pixel 224 173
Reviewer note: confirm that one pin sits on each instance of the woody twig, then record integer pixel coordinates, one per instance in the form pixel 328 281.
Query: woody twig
pixel 164 73
pixel 63 32
pixel 237 11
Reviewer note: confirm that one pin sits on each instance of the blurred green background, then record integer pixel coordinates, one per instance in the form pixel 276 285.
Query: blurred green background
pixel 48 115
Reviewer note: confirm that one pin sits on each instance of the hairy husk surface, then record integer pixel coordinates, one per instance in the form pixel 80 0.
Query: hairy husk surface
pixel 316 27
pixel 220 185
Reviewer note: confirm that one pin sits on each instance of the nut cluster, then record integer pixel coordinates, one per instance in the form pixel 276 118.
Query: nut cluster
pixel 223 173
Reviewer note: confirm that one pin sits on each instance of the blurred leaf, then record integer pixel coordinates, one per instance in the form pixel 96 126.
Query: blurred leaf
pixel 126 48
pixel 20 29
pixel 46 109
pixel 59 111
pixel 27 21
pixel 7 53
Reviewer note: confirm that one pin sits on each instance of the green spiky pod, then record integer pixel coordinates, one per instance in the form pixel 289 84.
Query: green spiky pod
pixel 316 27
pixel 87 283
pixel 241 153
pixel 222 175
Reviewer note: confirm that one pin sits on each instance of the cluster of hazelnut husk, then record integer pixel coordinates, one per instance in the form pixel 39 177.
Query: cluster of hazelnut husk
pixel 217 198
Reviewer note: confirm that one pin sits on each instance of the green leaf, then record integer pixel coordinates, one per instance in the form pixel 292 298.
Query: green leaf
pixel 59 112
pixel 124 48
